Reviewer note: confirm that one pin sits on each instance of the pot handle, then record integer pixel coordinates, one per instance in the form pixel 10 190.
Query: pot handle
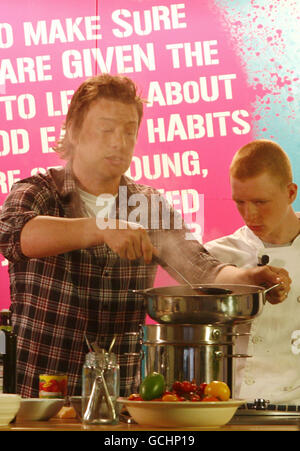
pixel 271 288
pixel 267 290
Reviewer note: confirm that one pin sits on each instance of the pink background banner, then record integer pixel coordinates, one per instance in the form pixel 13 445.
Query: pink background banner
pixel 216 74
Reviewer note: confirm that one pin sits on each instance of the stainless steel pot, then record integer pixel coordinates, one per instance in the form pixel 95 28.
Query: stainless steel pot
pixel 186 305
pixel 190 352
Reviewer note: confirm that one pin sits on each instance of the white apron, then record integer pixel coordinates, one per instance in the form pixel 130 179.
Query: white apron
pixel 273 371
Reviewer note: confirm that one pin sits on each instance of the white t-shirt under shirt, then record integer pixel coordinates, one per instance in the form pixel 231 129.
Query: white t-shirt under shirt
pixel 98 206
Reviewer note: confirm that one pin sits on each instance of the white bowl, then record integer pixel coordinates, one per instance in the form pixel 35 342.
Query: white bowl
pixel 39 409
pixel 181 413
pixel 9 407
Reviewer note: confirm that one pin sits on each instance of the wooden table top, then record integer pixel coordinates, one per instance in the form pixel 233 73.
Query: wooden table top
pixel 75 425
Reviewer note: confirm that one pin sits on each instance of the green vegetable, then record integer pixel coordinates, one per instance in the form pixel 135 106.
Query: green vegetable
pixel 152 386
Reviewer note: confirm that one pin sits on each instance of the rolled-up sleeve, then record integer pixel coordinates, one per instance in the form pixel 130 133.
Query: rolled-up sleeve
pixel 24 202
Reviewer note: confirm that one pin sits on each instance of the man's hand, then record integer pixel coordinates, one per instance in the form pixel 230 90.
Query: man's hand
pixel 44 236
pixel 265 276
pixel 270 275
pixel 129 240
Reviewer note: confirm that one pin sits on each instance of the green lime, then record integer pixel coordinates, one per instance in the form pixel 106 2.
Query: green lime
pixel 152 386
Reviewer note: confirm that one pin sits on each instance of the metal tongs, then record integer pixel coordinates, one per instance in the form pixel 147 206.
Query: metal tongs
pixel 99 391
pixel 197 288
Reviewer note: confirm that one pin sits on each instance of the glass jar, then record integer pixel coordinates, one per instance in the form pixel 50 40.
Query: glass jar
pixel 100 389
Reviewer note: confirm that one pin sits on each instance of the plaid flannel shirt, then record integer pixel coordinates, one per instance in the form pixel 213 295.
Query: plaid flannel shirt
pixel 57 300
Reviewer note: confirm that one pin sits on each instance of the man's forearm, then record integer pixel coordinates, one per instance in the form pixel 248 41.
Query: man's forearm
pixel 44 236
pixel 233 275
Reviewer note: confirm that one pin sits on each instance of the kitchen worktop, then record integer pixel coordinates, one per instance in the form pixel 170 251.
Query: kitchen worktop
pixel 75 425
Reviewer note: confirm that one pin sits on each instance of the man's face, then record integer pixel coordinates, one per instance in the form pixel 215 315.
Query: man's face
pixel 105 143
pixel 263 204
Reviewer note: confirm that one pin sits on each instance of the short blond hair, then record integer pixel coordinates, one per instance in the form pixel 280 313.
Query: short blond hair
pixel 260 156
pixel 115 87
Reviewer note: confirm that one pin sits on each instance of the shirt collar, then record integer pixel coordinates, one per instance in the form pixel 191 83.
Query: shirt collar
pixel 69 184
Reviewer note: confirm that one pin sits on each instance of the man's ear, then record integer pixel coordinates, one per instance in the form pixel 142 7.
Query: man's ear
pixel 292 191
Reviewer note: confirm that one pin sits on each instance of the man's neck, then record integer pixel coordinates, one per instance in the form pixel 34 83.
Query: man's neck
pixel 92 184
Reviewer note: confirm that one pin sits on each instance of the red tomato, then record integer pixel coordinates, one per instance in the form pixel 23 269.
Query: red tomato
pixel 193 387
pixel 177 386
pixel 201 388
pixel 186 387
pixel 195 397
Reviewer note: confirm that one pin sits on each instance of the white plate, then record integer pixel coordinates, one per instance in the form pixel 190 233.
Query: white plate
pixel 182 413
pixel 38 409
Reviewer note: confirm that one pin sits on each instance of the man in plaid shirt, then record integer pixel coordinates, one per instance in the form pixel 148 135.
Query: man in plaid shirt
pixel 70 276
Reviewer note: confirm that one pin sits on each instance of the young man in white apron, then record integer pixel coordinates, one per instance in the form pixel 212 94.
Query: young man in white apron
pixel 263 190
